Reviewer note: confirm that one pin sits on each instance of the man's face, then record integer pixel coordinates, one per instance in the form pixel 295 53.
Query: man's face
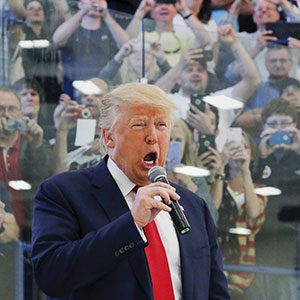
pixel 10 108
pixel 194 79
pixel 94 102
pixel 278 63
pixel 35 12
pixel 292 94
pixel 279 122
pixel 265 12
pixel 30 101
pixel 163 12
pixel 139 140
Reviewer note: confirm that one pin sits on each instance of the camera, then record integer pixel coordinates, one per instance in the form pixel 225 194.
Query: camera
pixel 83 113
pixel 16 125
pixel 280 137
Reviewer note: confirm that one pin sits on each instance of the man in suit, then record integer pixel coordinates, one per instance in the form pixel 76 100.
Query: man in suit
pixel 89 230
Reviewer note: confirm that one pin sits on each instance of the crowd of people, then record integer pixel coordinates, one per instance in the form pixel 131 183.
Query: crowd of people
pixel 58 62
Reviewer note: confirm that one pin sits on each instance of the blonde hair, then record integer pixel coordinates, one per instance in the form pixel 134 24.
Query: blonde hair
pixel 131 94
pixel 188 153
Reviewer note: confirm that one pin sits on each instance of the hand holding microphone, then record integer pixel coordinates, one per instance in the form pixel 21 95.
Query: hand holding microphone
pixel 158 174
pixel 146 207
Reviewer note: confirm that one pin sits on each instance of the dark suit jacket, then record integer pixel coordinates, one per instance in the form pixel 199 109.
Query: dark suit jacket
pixel 86 245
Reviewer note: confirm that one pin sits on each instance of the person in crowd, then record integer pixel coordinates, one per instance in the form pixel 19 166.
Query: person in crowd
pixel 127 64
pixel 290 91
pixel 193 78
pixel 65 122
pixel 101 215
pixel 282 154
pixel 172 42
pixel 278 62
pixel 88 40
pixel 256 43
pixel 239 207
pixel 24 155
pixel 41 62
pixel 279 167
pixel 9 229
pixel 182 136
pixel 200 9
pixel 9 10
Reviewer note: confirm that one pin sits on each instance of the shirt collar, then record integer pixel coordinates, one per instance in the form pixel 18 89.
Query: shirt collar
pixel 124 183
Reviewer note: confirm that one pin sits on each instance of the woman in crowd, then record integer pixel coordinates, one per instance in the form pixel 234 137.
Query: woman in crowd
pixel 41 61
pixel 240 208
pixel 182 135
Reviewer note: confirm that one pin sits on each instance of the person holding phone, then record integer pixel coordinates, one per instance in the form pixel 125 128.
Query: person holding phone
pixel 239 207
pixel 280 145
pixel 181 153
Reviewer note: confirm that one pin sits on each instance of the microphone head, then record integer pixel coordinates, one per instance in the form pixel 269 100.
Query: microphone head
pixel 156 172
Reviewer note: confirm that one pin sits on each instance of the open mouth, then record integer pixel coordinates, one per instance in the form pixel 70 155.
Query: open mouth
pixel 150 158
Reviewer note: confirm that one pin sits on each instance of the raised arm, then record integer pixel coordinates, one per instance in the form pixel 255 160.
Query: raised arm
pixel 119 34
pixel 134 27
pixel 250 77
pixel 66 29
pixel 202 37
pixel 17 8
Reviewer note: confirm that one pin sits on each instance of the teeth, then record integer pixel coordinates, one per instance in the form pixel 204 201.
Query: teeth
pixel 149 162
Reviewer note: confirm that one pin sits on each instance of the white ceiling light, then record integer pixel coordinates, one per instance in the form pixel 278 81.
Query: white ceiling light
pixel 192 171
pixel 223 102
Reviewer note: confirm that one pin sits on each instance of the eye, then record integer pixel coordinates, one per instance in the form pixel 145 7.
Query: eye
pixel 162 124
pixel 138 125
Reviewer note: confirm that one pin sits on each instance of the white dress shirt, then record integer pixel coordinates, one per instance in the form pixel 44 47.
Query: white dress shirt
pixel 164 225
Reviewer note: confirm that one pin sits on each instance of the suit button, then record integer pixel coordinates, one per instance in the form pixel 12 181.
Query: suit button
pixel 131 245
pixel 126 247
pixel 122 250
pixel 117 253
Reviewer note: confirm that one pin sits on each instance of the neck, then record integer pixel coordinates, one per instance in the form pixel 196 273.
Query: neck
pixel 164 26
pixel 90 23
pixel 36 28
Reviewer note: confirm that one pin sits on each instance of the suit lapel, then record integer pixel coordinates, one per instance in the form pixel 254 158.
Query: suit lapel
pixel 108 195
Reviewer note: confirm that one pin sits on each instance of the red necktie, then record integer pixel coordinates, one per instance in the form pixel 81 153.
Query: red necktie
pixel 158 263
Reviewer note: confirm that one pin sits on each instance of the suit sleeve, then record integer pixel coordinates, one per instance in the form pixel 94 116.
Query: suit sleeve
pixel 64 259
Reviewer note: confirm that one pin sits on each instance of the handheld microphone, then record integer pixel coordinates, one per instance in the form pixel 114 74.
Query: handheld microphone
pixel 158 174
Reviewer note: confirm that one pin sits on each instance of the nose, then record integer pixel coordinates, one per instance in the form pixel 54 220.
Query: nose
pixel 151 135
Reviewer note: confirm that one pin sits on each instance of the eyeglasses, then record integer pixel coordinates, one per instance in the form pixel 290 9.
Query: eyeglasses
pixel 283 124
pixel 10 109
pixel 262 9
pixel 281 60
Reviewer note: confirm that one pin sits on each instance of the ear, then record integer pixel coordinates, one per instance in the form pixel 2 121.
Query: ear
pixel 108 138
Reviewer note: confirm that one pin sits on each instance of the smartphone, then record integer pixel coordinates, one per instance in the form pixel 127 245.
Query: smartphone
pixel 280 137
pixel 235 134
pixel 197 100
pixel 205 141
pixel 174 155
pixel 283 30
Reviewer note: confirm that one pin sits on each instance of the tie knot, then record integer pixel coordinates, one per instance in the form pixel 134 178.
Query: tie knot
pixel 136 187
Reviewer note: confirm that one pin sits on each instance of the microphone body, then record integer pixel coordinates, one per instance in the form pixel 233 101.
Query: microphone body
pixel 158 174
